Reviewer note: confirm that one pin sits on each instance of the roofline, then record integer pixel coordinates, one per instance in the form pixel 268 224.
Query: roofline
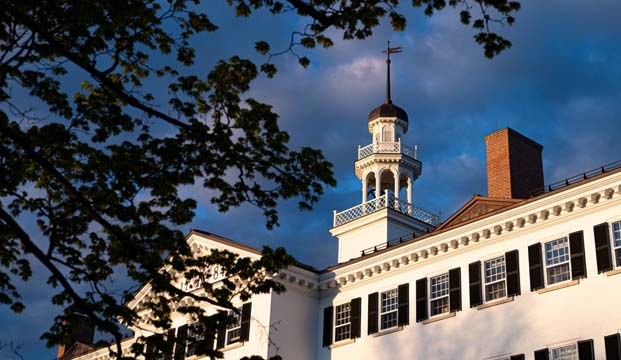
pixel 501 210
pixel 241 246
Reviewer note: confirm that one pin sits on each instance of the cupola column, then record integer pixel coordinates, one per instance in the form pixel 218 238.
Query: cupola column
pixel 409 190
pixel 397 175
pixel 378 185
pixel 364 190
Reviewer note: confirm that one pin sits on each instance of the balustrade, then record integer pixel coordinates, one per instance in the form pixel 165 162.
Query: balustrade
pixel 387 148
pixel 382 202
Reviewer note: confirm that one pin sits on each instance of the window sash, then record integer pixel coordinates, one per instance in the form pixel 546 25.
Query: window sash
pixel 439 294
pixel 565 352
pixel 495 276
pixel 557 255
pixel 342 324
pixel 196 334
pixel 616 242
pixel 233 332
pixel 389 305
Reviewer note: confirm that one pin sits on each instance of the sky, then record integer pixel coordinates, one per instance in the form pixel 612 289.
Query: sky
pixel 560 84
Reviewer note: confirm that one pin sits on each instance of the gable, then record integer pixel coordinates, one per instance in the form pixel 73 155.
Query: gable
pixel 476 207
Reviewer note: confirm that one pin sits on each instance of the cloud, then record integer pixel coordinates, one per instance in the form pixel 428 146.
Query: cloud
pixel 559 84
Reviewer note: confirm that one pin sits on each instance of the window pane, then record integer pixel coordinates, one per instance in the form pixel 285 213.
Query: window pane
pixel 389 320
pixel 343 327
pixel 495 291
pixel 495 269
pixel 558 273
pixel 557 251
pixel 196 334
pixel 389 300
pixel 388 310
pixel 439 306
pixel 439 286
pixel 618 256
pixel 233 334
pixel 616 233
pixel 569 352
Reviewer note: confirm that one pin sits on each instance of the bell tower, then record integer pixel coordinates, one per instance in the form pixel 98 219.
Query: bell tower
pixel 387 169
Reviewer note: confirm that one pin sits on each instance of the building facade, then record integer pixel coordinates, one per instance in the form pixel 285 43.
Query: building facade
pixel 528 272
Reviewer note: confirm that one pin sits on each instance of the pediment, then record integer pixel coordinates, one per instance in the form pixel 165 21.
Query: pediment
pixel 475 208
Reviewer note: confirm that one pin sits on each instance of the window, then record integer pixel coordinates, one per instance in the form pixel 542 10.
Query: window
pixel 616 242
pixel 495 279
pixel 387 134
pixel 439 299
pixel 557 261
pixel 566 352
pixel 342 329
pixel 196 335
pixel 233 332
pixel 389 308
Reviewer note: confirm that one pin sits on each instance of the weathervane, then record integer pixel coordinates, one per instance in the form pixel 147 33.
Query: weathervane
pixel 388 51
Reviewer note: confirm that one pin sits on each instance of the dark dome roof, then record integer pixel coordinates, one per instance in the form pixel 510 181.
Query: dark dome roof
pixel 388 110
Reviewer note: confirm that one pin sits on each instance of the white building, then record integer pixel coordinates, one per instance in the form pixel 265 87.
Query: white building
pixel 525 273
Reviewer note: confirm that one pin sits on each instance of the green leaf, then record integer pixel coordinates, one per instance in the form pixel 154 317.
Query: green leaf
pixel 262 47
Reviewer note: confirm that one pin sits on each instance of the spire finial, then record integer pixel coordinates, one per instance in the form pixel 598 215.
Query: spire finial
pixel 388 51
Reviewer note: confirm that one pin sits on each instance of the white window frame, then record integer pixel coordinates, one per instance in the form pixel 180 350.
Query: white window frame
pixel 233 331
pixel 431 299
pixel 552 350
pixel 393 308
pixel 496 281
pixel 614 247
pixel 559 264
pixel 342 325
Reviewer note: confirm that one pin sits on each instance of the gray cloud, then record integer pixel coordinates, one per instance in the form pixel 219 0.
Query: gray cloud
pixel 559 84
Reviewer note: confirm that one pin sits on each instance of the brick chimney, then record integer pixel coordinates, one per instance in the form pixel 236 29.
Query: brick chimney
pixel 82 331
pixel 514 165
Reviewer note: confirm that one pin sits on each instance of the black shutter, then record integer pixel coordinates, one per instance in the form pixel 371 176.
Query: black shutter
pixel 148 355
pixel 245 322
pixel 474 277
pixel 327 325
pixel 536 267
pixel 170 341
pixel 421 299
pixel 221 337
pixel 585 350
pixel 404 300
pixel 356 305
pixel 578 262
pixel 512 264
pixel 517 357
pixel 455 289
pixel 602 247
pixel 182 335
pixel 613 347
pixel 541 354
pixel 372 320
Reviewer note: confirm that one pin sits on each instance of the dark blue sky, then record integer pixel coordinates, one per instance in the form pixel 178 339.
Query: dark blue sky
pixel 559 84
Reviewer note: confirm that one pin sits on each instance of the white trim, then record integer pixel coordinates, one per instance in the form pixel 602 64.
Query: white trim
pixel 415 250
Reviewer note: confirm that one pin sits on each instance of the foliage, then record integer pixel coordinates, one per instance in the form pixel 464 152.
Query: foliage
pixel 100 173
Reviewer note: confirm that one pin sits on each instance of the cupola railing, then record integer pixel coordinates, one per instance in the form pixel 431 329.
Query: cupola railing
pixel 387 148
pixel 386 201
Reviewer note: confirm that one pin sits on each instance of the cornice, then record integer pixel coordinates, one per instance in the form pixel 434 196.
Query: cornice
pixel 549 209
pixel 386 120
